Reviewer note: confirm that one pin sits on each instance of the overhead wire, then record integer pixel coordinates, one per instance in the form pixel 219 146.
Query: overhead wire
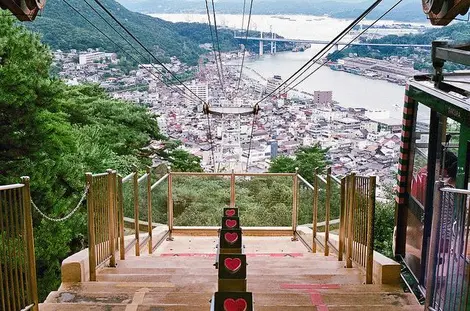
pixel 209 131
pixel 147 50
pixel 326 47
pixel 122 48
pixel 345 46
pixel 219 70
pixel 255 114
pixel 244 45
pixel 218 45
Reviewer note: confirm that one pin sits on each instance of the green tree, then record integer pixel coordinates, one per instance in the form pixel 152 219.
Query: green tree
pixel 306 159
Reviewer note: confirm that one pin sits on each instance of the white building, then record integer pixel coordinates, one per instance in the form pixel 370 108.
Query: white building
pixel 274 83
pixel 88 58
pixel 200 89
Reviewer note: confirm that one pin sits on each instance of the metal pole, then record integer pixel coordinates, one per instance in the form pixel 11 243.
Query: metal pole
pixel 122 251
pixel 232 189
pixel 370 230
pixel 28 221
pixel 342 218
pixel 91 227
pixel 149 208
pixel 351 202
pixel 434 246
pixel 136 211
pixel 295 181
pixel 315 211
pixel 170 205
pixel 327 211
pixel 111 219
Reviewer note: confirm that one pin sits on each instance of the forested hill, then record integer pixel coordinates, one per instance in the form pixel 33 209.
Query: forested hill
pixel 62 28
pixel 457 32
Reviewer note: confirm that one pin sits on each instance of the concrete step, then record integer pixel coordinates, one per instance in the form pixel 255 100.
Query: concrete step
pixel 257 285
pixel 347 278
pixel 115 307
pixel 262 299
pixel 253 271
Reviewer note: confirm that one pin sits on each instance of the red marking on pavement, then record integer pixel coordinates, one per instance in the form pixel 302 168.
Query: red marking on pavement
pixel 247 255
pixel 310 286
pixel 316 299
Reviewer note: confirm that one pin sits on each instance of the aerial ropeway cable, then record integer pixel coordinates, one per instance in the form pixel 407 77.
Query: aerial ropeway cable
pixel 244 45
pixel 147 50
pixel 344 47
pixel 216 59
pixel 122 48
pixel 312 61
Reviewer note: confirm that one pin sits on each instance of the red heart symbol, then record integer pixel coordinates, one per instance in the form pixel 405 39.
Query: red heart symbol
pixel 235 305
pixel 231 237
pixel 230 212
pixel 231 223
pixel 233 264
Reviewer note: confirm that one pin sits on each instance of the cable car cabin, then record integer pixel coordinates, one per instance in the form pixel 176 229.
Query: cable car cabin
pixel 432 216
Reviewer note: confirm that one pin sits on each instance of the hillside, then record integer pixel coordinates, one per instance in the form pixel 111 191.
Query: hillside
pixel 408 10
pixel 458 32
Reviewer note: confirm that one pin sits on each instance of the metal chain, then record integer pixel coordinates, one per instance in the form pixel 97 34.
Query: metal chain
pixel 66 217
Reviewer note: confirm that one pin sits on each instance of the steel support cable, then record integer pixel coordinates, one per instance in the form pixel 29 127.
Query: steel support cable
pixel 134 48
pixel 209 131
pixel 122 49
pixel 251 138
pixel 218 45
pixel 219 70
pixel 244 45
pixel 326 47
pixel 347 45
pixel 146 49
pixel 243 16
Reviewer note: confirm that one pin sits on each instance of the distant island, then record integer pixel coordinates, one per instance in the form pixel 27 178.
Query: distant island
pixel 407 11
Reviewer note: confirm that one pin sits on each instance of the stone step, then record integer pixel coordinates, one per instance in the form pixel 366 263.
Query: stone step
pixel 257 285
pixel 253 271
pixel 115 307
pixel 347 278
pixel 261 299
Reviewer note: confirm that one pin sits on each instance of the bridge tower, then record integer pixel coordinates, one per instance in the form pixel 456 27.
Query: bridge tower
pixel 273 43
pixel 261 45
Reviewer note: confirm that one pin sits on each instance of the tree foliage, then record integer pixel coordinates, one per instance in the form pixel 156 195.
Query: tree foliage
pixel 306 159
pixel 54 134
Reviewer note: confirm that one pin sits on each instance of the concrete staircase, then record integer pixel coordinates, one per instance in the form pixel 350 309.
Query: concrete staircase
pixel 180 277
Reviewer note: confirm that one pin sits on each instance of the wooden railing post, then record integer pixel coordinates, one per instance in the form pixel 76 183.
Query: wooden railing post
pixel 91 227
pixel 28 223
pixel 170 205
pixel 342 219
pixel 111 217
pixel 315 210
pixel 370 230
pixel 232 189
pixel 136 211
pixel 327 211
pixel 120 194
pixel 149 208
pixel 295 183
pixel 350 221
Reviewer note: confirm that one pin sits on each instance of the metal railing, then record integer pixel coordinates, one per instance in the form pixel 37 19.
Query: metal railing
pixel 448 269
pixel 18 285
pixel 359 216
pixel 102 219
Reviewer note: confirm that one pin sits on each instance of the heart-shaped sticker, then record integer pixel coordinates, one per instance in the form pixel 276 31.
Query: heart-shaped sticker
pixel 230 223
pixel 232 264
pixel 230 212
pixel 235 305
pixel 231 237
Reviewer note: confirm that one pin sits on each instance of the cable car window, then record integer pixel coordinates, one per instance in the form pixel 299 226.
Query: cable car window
pixel 421 145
